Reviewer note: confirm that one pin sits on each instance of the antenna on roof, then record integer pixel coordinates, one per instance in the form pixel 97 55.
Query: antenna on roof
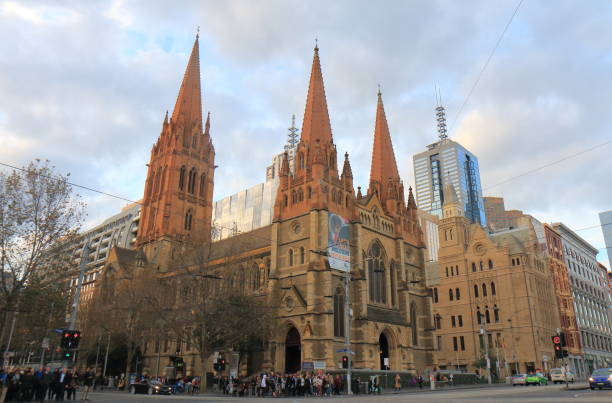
pixel 292 136
pixel 440 115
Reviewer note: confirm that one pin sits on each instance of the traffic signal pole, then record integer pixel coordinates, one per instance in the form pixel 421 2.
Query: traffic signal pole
pixel 347 329
pixel 77 294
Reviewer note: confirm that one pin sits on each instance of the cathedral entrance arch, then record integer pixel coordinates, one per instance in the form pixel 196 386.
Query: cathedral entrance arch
pixel 383 345
pixel 293 351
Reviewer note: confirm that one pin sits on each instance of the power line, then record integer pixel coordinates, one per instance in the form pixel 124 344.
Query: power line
pixel 484 67
pixel 549 164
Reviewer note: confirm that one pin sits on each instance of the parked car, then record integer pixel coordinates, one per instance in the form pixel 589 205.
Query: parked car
pixel 150 388
pixel 518 379
pixel 536 379
pixel 601 378
pixel 559 375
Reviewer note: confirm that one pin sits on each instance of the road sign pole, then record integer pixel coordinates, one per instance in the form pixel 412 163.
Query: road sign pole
pixel 347 329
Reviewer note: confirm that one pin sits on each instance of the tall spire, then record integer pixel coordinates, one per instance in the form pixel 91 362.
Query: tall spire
pixel 383 158
pixel 188 108
pixel 316 125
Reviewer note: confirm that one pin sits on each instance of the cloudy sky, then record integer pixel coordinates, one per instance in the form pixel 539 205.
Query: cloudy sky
pixel 86 84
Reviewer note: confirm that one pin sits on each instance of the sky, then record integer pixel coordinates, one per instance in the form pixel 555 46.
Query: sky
pixel 86 85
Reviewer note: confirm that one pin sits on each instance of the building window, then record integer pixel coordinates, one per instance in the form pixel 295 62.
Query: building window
pixel 181 183
pixel 496 314
pixel 192 180
pixel 376 271
pixel 188 219
pixel 309 192
pixel 454 343
pixel 493 291
pixel 286 199
pixel 490 264
pixel 475 290
pixel 484 290
pixel 481 265
pixel 457 270
pixel 290 257
pixel 450 294
pixel 446 271
pixel 301 255
pixel 487 316
pixel 460 318
pixel 473 266
pixel 438 321
pixel 462 342
pixel 414 324
pixel 453 323
pixel 301 161
pixel 457 295
pixel 479 317
pixel 435 295
pixel 338 313
pixel 203 185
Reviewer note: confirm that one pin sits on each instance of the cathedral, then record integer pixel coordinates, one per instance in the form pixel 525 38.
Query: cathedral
pixel 324 230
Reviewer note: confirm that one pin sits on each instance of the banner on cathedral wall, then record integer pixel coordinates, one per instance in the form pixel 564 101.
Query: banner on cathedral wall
pixel 338 245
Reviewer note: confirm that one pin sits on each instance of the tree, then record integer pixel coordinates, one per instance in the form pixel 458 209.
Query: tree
pixel 38 212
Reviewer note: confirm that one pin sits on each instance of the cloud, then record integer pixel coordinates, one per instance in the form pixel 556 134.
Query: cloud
pixel 86 84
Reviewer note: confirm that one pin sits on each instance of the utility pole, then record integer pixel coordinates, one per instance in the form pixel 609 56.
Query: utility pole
pixel 347 329
pixel 106 355
pixel 77 294
pixel 483 332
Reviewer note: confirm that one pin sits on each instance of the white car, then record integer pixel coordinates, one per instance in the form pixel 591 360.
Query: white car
pixel 559 375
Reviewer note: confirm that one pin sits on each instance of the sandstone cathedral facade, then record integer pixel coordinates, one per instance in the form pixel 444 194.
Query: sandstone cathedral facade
pixel 286 262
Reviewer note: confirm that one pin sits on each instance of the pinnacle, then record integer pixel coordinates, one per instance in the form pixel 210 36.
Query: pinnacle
pixel 188 108
pixel 316 125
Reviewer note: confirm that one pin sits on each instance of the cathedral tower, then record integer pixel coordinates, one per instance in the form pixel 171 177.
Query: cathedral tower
pixel 177 202
pixel 315 183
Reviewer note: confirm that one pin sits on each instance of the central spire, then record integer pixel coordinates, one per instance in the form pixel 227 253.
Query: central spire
pixel 316 124
pixel 188 108
pixel 383 158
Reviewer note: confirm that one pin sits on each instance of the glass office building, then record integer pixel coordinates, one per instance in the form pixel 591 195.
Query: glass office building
pixel 447 161
pixel 605 218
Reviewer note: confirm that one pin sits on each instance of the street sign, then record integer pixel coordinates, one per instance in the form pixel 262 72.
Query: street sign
pixel 59 331
pixel 318 364
pixel 45 343
pixel 308 366
pixel 345 350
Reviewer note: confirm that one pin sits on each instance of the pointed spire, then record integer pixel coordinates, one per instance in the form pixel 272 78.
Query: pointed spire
pixel 359 195
pixel 346 169
pixel 166 118
pixel 411 201
pixel 383 166
pixel 316 125
pixel 207 125
pixel 188 106
pixel 285 165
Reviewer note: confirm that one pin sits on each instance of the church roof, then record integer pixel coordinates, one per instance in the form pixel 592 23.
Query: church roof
pixel 188 105
pixel 316 124
pixel 242 243
pixel 383 158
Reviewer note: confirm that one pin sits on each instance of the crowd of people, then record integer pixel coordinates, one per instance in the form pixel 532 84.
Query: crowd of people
pixel 28 384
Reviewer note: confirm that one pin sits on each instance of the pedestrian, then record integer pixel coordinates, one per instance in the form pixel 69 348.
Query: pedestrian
pixel 451 380
pixel 420 381
pixel 398 383
pixel 88 378
pixel 62 379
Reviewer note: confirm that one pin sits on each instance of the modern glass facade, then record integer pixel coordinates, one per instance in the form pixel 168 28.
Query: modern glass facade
pixel 448 162
pixel 605 218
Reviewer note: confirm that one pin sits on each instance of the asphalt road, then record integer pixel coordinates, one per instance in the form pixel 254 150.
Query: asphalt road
pixel 543 394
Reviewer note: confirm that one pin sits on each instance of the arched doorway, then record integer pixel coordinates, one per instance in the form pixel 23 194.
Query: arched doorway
pixel 383 345
pixel 293 351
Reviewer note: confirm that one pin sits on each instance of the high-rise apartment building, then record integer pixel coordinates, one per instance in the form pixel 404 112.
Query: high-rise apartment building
pixel 591 301
pixel 448 162
pixel 605 217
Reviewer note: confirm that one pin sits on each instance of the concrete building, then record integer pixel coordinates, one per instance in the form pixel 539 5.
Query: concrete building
pixel 493 297
pixel 605 218
pixel 591 301
pixel 497 216
pixel 119 230
pixel 447 162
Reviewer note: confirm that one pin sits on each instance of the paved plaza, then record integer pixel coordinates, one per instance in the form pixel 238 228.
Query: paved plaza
pixel 544 394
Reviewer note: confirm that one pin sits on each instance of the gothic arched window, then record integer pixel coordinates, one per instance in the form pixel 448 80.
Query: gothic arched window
pixel 339 313
pixel 301 255
pixel 475 290
pixel 181 183
pixel 493 290
pixel 301 161
pixel 376 271
pixel 188 219
pixel 290 257
pixel 392 274
pixel 413 325
pixel 496 313
pixel 488 316
pixel 300 195
pixel 203 185
pixel 484 290
pixel 192 180
pixel 450 294
pixel 457 295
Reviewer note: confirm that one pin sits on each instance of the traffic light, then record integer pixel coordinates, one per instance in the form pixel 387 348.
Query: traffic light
pixel 221 364
pixel 70 339
pixel 345 361
pixel 557 344
pixel 67 355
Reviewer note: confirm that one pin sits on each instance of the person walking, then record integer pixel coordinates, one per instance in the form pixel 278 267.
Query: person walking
pixel 420 381
pixel 88 378
pixel 398 383
pixel 62 379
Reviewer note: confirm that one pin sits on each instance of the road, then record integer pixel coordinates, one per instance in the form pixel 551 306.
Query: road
pixel 543 394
